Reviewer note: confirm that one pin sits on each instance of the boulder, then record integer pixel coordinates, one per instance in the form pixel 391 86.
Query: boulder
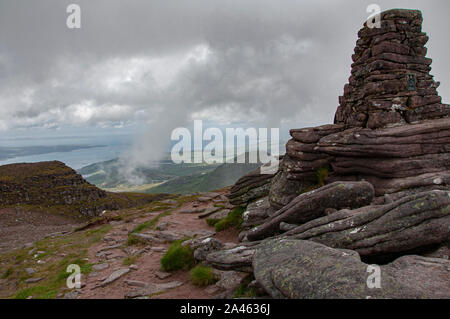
pixel 311 205
pixel 283 190
pixel 203 246
pixel 238 258
pixel 257 212
pixel 288 268
pixel 411 223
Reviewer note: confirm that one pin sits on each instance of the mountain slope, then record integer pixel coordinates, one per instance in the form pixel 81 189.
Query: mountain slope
pixel 222 176
pixel 55 187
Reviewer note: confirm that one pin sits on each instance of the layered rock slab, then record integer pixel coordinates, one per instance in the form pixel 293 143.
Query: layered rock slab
pixel 311 205
pixel 254 185
pixel 288 268
pixel 413 222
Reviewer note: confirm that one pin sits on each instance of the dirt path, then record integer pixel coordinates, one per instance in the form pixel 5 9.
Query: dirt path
pixel 146 267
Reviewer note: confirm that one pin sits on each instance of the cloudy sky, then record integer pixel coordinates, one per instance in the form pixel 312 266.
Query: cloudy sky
pixel 158 64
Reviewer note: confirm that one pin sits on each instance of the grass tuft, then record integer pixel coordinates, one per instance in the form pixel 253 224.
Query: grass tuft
pixel 202 276
pixel 177 257
pixel 322 173
pixel 234 219
pixel 7 273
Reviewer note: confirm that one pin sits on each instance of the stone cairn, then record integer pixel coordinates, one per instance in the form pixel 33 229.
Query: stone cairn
pixel 390 81
pixel 371 188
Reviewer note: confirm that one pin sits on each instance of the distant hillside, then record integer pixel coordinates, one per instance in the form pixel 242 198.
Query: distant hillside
pixel 55 187
pixel 107 174
pixel 222 176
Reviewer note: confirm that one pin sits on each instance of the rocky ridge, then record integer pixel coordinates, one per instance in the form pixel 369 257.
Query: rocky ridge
pixel 53 185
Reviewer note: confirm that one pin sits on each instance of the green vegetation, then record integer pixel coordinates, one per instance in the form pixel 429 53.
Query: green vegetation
pixel 322 173
pixel 7 273
pixel 234 219
pixel 217 177
pixel 212 221
pixel 244 291
pixel 177 257
pixel 133 240
pixel 202 276
pixel 129 260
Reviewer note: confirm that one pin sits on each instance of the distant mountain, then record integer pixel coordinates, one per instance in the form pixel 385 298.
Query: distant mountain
pixel 11 152
pixel 222 176
pixel 169 177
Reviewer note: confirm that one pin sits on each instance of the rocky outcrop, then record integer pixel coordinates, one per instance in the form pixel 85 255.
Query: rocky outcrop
pixel 289 268
pixel 391 137
pixel 249 187
pixel 413 222
pixel 392 158
pixel 311 205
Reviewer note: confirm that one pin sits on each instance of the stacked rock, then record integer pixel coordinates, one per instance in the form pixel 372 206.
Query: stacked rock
pixel 390 81
pixel 303 156
pixel 249 187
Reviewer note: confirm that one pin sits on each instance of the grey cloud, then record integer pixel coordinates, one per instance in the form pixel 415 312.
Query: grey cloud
pixel 267 62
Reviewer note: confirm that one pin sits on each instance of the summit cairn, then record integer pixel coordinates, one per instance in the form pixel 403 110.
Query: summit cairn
pixel 390 80
pixel 371 188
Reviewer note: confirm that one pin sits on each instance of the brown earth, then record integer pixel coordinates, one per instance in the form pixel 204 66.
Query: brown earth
pixel 19 226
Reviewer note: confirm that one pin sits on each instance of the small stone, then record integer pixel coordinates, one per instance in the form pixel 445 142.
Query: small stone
pixel 163 226
pixel 114 276
pixel 151 289
pixel 71 295
pixel 162 275
pixel 133 267
pixel 135 283
pixel 100 267
pixel 33 280
pixel 29 271
pixel 212 290
pixel 194 210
